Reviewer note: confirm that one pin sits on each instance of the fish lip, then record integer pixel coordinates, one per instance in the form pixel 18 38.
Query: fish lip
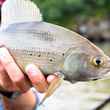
pixel 86 79
pixel 100 77
pixel 90 78
pixel 94 78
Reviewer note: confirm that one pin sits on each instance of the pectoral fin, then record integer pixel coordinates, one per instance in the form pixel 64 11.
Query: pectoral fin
pixel 52 87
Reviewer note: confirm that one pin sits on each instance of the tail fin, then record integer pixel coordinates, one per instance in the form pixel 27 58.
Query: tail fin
pixel 18 11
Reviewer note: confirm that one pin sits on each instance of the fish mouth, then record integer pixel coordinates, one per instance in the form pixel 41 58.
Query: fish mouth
pixel 93 78
pixel 104 76
pixel 87 77
pixel 90 79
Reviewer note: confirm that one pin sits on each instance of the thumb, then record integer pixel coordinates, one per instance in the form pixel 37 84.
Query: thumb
pixel 36 77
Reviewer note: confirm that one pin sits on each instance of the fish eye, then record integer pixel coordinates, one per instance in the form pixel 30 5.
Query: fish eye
pixel 97 61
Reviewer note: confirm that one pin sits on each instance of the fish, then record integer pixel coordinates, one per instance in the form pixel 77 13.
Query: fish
pixel 51 47
pixel 55 49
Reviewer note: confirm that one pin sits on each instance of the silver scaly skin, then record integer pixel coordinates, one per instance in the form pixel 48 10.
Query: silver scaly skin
pixel 54 49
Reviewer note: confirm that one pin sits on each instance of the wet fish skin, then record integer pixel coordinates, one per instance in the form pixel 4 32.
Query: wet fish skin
pixel 53 48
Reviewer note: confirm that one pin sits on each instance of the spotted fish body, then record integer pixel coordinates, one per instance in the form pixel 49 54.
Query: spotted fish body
pixel 40 43
pixel 53 48
pixel 50 47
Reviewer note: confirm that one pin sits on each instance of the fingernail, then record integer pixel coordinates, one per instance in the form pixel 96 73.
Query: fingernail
pixel 36 77
pixel 51 78
pixel 32 68
pixel 34 73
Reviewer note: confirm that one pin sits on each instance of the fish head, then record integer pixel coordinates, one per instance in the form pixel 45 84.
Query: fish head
pixel 86 62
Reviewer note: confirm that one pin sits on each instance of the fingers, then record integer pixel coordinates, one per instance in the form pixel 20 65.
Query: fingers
pixel 5 81
pixel 50 78
pixel 13 75
pixel 13 71
pixel 36 78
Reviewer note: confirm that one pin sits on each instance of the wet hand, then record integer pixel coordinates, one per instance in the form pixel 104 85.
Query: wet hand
pixel 13 79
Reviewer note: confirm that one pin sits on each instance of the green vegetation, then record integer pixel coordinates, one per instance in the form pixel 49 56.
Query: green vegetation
pixel 68 12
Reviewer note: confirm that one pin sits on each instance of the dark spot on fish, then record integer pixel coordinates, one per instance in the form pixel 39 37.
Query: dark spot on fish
pixel 51 60
pixel 30 54
pixel 63 54
pixel 95 79
pixel 39 55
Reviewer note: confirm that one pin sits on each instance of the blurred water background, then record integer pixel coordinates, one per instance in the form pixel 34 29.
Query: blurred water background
pixel 91 18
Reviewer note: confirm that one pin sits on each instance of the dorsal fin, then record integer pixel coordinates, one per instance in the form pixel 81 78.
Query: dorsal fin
pixel 18 11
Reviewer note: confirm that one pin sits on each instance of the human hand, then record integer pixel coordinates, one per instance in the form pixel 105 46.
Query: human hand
pixel 13 79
